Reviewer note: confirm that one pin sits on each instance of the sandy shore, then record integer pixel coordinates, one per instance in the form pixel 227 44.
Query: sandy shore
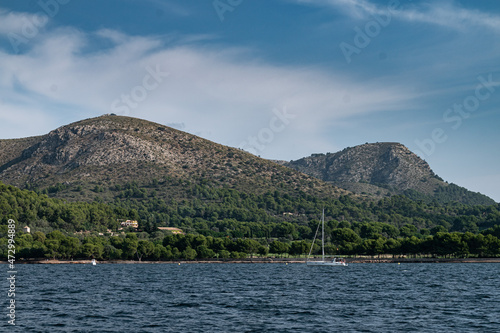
pixel 270 261
pixel 176 262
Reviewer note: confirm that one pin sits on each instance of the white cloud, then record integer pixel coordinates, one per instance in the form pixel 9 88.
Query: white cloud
pixel 14 22
pixel 220 93
pixel 446 13
pixel 452 16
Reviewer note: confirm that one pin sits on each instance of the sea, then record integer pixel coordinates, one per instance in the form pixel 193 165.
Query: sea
pixel 254 298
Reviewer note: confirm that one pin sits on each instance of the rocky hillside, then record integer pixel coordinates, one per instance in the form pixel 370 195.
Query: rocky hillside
pixel 384 169
pixel 113 156
pixel 94 155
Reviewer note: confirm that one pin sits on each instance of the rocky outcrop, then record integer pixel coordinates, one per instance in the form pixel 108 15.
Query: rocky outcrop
pixel 378 169
pixel 378 163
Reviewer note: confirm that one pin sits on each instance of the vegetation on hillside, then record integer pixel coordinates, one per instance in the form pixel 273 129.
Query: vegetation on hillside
pixel 227 212
pixel 451 193
pixel 241 224
pixel 159 246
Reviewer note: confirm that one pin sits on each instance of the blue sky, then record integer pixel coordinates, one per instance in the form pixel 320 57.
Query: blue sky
pixel 279 78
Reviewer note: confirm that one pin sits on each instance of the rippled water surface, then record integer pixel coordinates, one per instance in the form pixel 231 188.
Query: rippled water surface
pixel 256 298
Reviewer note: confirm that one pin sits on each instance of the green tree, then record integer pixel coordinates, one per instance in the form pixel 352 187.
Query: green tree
pixel 189 254
pixel 111 252
pixel 450 244
pixel 373 246
pixel 262 251
pixel 342 236
pixel 52 247
pixel 299 247
pixel 492 246
pixel 130 246
pixel 88 250
pixel 204 252
pixel 224 254
pixel 69 247
pixel 144 249
pixel 278 247
pixel 408 230
pixel 410 245
pixel 392 246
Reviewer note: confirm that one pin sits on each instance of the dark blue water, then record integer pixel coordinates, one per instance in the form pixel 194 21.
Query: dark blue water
pixel 255 298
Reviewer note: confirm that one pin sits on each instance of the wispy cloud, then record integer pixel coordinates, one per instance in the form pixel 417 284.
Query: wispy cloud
pixel 222 93
pixel 447 14
pixel 450 15
pixel 15 22
pixel 170 7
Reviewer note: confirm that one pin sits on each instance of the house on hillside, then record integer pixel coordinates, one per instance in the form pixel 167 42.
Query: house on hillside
pixel 172 230
pixel 27 229
pixel 129 223
pixel 290 214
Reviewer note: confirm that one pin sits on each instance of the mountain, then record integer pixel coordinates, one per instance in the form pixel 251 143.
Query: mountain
pixel 112 167
pixel 115 156
pixel 100 155
pixel 383 169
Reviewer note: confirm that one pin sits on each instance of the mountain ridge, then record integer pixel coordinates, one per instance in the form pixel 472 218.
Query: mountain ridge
pixel 88 158
pixel 110 150
pixel 384 168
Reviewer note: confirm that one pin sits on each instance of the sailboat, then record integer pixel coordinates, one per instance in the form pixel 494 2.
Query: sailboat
pixel 334 261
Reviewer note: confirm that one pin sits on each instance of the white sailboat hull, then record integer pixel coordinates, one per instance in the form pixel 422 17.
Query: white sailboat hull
pixel 326 263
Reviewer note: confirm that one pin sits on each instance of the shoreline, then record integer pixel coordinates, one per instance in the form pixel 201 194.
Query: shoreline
pixel 264 261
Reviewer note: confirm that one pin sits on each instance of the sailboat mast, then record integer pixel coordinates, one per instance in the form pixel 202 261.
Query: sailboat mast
pixel 323 233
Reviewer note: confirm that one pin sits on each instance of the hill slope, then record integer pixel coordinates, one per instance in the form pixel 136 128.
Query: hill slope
pixel 383 169
pixel 96 155
pixel 111 167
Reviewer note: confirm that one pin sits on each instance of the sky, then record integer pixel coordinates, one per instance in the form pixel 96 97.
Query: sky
pixel 281 79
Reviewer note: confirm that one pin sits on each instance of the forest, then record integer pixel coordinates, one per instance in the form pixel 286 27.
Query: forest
pixel 160 246
pixel 225 223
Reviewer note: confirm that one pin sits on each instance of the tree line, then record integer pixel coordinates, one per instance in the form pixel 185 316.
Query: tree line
pixel 161 246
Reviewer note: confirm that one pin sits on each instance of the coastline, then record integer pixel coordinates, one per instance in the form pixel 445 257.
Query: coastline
pixel 264 261
pixel 175 262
